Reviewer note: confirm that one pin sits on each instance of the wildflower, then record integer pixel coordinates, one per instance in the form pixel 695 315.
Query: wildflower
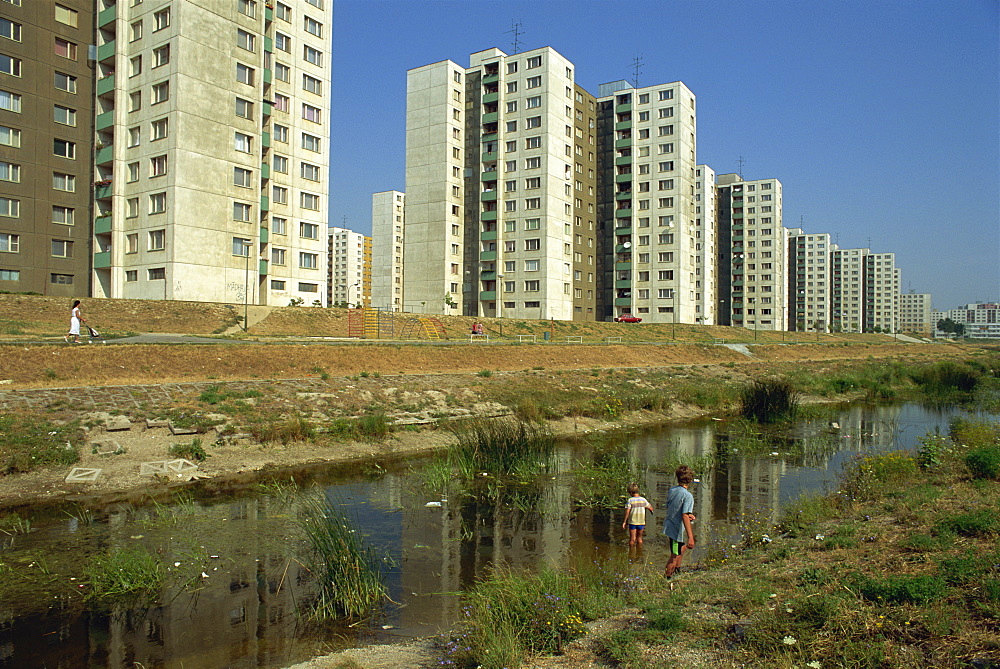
pixel 815 664
pixel 788 641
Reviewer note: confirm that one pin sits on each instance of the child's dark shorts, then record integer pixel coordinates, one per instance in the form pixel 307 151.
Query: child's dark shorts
pixel 637 527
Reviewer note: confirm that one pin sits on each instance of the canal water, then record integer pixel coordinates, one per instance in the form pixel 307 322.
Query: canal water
pixel 236 582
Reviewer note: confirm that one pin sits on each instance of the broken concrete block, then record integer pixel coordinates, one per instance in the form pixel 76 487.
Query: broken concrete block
pixel 179 467
pixel 106 447
pixel 117 423
pixel 83 475
pixel 182 430
pixel 157 422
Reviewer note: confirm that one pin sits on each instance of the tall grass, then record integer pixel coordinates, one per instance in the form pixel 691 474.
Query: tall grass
pixel 769 400
pixel 27 442
pixel 124 572
pixel 504 448
pixel 348 572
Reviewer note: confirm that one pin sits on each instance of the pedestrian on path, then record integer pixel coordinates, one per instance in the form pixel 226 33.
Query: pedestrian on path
pixel 75 318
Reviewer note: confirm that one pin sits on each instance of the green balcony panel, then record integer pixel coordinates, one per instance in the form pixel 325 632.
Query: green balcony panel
pixel 106 16
pixel 623 125
pixel 102 260
pixel 105 155
pixel 106 51
pixel 265 203
pixel 268 44
pixel 492 117
pixel 623 301
pixel 623 231
pixel 106 85
pixel 623 213
pixel 622 109
pixel 105 120
pixel 265 139
pixel 621 248
pixel 487 255
pixel 489 196
pixel 488 216
pixel 268 108
pixel 489 137
pixel 623 196
pixel 262 268
pixel 488 235
pixel 737 283
pixel 737 214
pixel 267 76
pixel 265 171
pixel 623 265
pixel 491 78
pixel 102 225
pixel 103 191
pixel 488 295
pixel 623 143
pixel 738 249
pixel 487 276
pixel 489 157
pixel 264 235
pixel 489 176
pixel 623 178
pixel 491 97
pixel 737 203
pixel 623 283
pixel 623 160
pixel 737 238
pixel 268 14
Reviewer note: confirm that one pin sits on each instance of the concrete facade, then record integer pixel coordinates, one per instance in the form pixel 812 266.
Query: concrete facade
pixel 847 313
pixel 46 117
pixel 810 281
pixel 706 245
pixel 346 277
pixel 915 314
pixel 387 249
pixel 214 117
pixel 882 283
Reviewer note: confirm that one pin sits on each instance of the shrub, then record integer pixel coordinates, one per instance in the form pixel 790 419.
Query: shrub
pixel 984 462
pixel 979 523
pixel 375 426
pixel 903 589
pixel 192 451
pixel 284 432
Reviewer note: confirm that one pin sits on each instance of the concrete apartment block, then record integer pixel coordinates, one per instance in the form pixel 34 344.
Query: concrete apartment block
pixel 387 249
pixel 215 123
pixel 706 247
pixel 646 201
pixel 981 320
pixel 46 120
pixel 882 283
pixel 810 281
pixel 346 276
pixel 915 314
pixel 847 314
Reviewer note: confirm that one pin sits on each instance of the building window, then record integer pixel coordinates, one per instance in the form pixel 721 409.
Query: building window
pixel 242 177
pixel 533 143
pixel 532 244
pixel 10 275
pixel 10 243
pixel 666 95
pixel 312 26
pixel 282 42
pixel 531 265
pixel 532 286
pixel 280 164
pixel 309 201
pixel 534 82
pixel 157 203
pixel 533 203
pixel 279 194
pixel 247 7
pixel 157 240
pixel 156 274
pixel 244 108
pixel 281 102
pixel 64 182
pixel 10 136
pixel 161 56
pixel 310 113
pixel 244 74
pixel 158 166
pixel 279 226
pixel 308 288
pixel 134 136
pixel 66 279
pixel 532 103
pixel 135 66
pixel 534 61
pixel 243 142
pixel 241 212
pixel 64 148
pixel 64 115
pixel 283 73
pixel 311 55
pixel 283 12
pixel 241 246
pixel 245 40
pixel 311 142
pixel 135 101
pixel 132 207
pixel 63 48
pixel 131 275
pixel 10 172
pixel 310 172
pixel 136 31
pixel 312 84
pixel 532 163
pixel 277 256
pixel 62 82
pixel 308 260
pixel 308 231
pixel 158 129
pixel 161 19
pixel 132 243
pixel 62 248
pixel 161 92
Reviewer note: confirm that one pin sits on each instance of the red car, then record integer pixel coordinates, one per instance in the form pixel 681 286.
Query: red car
pixel 627 318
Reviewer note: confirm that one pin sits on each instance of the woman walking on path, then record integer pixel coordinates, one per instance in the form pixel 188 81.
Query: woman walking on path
pixel 75 318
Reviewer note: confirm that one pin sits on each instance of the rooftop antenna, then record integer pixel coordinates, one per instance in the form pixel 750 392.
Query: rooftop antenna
pixel 636 70
pixel 516 28
pixel 345 220
pixel 740 161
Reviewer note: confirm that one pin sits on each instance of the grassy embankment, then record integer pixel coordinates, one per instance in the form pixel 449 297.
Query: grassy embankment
pixel 899 568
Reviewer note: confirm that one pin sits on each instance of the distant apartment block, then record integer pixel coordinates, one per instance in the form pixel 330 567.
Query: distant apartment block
pixel 387 250
pixel 810 281
pixel 915 314
pixel 46 121
pixel 981 320
pixel 346 277
pixel 706 245
pixel 848 312
pixel 882 283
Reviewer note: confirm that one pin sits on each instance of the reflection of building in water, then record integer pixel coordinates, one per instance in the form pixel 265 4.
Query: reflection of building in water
pixel 748 489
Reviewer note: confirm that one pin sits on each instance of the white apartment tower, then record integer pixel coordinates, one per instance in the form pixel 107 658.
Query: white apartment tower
pixel 646 202
pixel 882 283
pixel 387 250
pixel 346 251
pixel 500 171
pixel 212 134
pixel 915 314
pixel 847 314
pixel 750 215
pixel 706 246
pixel 810 280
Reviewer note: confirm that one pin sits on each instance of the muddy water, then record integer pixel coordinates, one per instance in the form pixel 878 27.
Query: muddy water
pixel 234 581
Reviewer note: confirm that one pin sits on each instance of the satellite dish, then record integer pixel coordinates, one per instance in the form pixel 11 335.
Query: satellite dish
pixel 627 245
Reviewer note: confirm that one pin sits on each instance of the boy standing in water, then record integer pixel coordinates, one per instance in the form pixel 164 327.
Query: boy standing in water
pixel 678 519
pixel 635 515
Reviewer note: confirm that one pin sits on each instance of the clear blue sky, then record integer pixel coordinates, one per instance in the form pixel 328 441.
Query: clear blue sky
pixel 879 117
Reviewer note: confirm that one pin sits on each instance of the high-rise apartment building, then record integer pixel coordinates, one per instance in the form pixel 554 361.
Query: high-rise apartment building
pixel 915 314
pixel 882 284
pixel 387 250
pixel 754 270
pixel 46 116
pixel 848 309
pixel 212 130
pixel 346 252
pixel 810 280
pixel 981 320
pixel 646 202
pixel 706 245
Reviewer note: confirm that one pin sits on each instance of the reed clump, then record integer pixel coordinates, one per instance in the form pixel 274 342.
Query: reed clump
pixel 769 401
pixel 123 573
pixel 506 448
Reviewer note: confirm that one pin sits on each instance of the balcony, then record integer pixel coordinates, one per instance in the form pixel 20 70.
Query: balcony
pixel 488 216
pixel 623 301
pixel 623 125
pixel 265 203
pixel 625 195
pixel 489 157
pixel 624 231
pixel 487 256
pixel 623 160
pixel 489 137
pixel 106 16
pixel 268 14
pixel 262 267
pixel 623 109
pixel 488 236
pixel 624 212
pixel 265 140
pixel 737 204
pixel 102 190
pixel 102 225
pixel 623 283
pixel 488 295
pixel 623 265
pixel 491 97
pixel 102 260
pixel 623 178
pixel 268 44
pixel 264 235
pixel 488 196
pixel 621 248
pixel 491 117
pixel 106 51
pixel 491 78
pixel 106 85
pixel 268 108
pixel 267 76
pixel 105 120
pixel 737 214
pixel 488 176
pixel 488 275
pixel 623 143
pixel 265 171
pixel 105 155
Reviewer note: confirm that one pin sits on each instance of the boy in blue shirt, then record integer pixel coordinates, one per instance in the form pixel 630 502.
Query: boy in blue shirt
pixel 678 519
pixel 635 515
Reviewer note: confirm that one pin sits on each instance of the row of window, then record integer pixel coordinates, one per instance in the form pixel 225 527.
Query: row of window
pixel 59 248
